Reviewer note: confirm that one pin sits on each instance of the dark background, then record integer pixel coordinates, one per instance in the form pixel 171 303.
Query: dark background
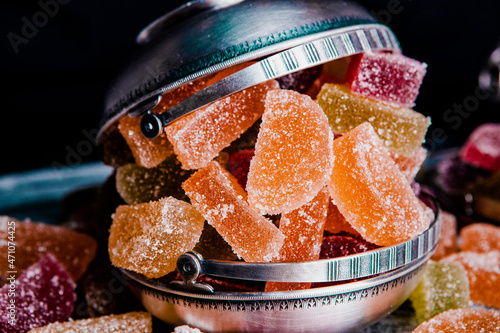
pixel 54 85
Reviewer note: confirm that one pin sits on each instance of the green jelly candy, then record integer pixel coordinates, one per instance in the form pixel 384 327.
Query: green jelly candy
pixel 444 286
pixel 137 184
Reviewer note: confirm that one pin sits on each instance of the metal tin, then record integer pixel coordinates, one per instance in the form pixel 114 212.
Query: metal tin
pixel 206 36
pixel 391 274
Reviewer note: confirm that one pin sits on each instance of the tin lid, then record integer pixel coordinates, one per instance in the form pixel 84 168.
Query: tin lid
pixel 205 36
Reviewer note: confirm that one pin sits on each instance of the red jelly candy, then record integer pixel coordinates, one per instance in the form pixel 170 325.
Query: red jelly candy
pixel 42 294
pixel 339 246
pixel 239 165
pixel 482 148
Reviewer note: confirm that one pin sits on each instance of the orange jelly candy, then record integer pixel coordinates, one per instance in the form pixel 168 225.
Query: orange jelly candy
pixel 336 222
pixel 483 271
pixel 149 153
pixel 410 166
pixel 199 137
pixel 370 191
pixel 148 238
pixel 131 322
pixel 462 321
pixel 73 249
pixel 447 243
pixel 480 237
pixel 219 197
pixel 303 229
pixel 293 157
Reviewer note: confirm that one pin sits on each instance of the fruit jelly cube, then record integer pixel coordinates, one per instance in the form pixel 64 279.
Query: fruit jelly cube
pixel 148 238
pixel 73 249
pixel 293 157
pixel 115 150
pixel 482 148
pixel 239 165
pixel 333 72
pixel 212 246
pixel 480 237
pixel 300 81
pixel 483 271
pixel 137 184
pixel 444 286
pixel 447 243
pixel 186 329
pixel 43 294
pixel 390 78
pixel 303 229
pixel 217 195
pixel 402 130
pixel 370 191
pixel 149 153
pixel 462 321
pixel 201 135
pixel 334 246
pixel 131 322
pixel 336 222
pixel 454 176
pixel 410 166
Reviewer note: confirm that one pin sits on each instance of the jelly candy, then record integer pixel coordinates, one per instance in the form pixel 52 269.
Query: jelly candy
pixel 480 237
pixel 390 78
pixel 73 249
pixel 364 173
pixel 410 166
pixel 336 222
pixel 131 322
pixel 462 321
pixel 293 157
pixel 43 293
pixel 486 194
pixel 218 196
pixel 137 184
pixel 212 246
pixel 300 81
pixel 402 130
pixel 482 148
pixel 483 271
pixel 303 229
pixel 149 153
pixel 334 246
pixel 198 137
pixel 333 72
pixel 444 286
pixel 148 238
pixel 239 165
pixel 454 176
pixel 447 243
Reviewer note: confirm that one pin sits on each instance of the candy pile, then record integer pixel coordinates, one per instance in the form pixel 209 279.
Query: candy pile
pixel 316 164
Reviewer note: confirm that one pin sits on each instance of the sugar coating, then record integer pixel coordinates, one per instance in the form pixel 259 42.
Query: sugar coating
pixel 370 191
pixel 402 130
pixel 137 184
pixel 303 229
pixel 483 271
pixel 186 329
pixel 410 165
pixel 131 322
pixel 293 157
pixel 197 138
pixel 44 293
pixel 73 249
pixel 336 222
pixel 480 237
pixel 482 148
pixel 217 195
pixel 447 243
pixel 444 286
pixel 151 152
pixel 462 321
pixel 148 238
pixel 390 78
